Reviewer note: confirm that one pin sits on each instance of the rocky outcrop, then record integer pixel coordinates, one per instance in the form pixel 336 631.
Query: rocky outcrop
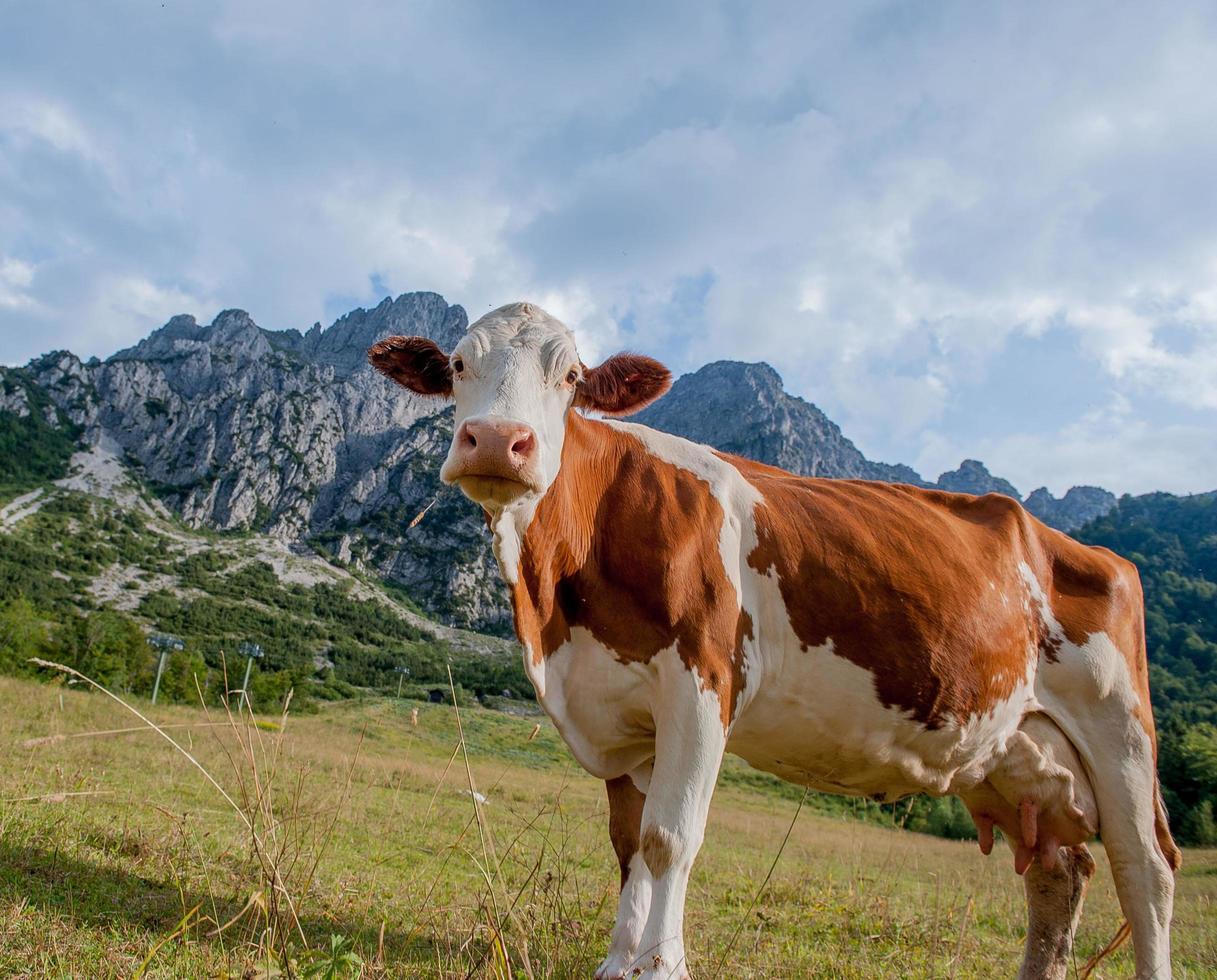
pixel 1079 506
pixel 743 409
pixel 973 477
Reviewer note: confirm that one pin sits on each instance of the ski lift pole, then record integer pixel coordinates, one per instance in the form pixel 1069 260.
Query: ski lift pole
pixel 164 644
pixel 252 651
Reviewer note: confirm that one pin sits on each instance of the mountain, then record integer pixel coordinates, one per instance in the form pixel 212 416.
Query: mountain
pixel 292 434
pixel 974 477
pixel 1079 506
pixel 235 427
pixel 743 409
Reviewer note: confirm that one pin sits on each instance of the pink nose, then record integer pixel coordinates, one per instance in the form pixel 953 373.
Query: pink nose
pixel 494 447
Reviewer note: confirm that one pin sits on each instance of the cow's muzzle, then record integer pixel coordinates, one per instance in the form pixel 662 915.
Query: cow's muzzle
pixel 493 461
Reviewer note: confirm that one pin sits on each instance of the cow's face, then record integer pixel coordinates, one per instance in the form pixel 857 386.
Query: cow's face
pixel 515 376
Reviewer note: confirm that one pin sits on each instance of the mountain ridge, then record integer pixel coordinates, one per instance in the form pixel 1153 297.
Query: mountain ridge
pixel 289 432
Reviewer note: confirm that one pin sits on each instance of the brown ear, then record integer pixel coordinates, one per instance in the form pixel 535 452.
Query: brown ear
pixel 623 384
pixel 413 362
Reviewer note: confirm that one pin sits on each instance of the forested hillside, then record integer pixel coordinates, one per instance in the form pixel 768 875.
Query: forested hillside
pixel 91 564
pixel 1173 541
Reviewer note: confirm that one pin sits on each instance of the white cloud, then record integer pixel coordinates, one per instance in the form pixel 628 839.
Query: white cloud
pixel 119 301
pixel 47 121
pixel 1110 447
pixel 16 277
pixel 880 200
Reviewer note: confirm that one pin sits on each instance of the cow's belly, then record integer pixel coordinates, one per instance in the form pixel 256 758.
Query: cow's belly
pixel 809 716
pixel 814 718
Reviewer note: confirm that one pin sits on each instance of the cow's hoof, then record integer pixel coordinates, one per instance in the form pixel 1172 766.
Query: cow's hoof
pixel 660 966
pixel 664 963
pixel 616 966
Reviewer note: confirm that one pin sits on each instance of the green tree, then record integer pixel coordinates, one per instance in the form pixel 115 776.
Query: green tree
pixel 23 634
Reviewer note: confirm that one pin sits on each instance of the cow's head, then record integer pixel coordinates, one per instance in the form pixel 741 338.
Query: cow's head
pixel 515 376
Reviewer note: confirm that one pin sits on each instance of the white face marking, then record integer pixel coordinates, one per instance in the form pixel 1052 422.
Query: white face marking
pixel 514 365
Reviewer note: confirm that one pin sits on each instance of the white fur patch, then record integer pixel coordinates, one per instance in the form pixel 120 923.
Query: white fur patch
pixel 600 706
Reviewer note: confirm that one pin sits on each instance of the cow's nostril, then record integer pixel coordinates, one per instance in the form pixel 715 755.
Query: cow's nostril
pixel 523 445
pixel 472 442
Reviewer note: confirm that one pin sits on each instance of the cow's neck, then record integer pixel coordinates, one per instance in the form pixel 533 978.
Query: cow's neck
pixel 542 542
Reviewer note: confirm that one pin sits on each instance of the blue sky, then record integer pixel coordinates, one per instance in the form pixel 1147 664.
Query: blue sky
pixel 962 229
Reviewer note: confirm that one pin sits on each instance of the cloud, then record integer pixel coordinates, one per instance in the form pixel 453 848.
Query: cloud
pixel 16 277
pixel 888 202
pixel 1110 446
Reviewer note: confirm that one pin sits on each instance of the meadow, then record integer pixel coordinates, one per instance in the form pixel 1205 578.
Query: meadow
pixel 365 840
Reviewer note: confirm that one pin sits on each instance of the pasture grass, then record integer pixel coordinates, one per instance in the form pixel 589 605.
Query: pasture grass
pixel 355 847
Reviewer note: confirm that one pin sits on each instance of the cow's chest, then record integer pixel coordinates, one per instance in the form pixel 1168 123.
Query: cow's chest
pixel 601 706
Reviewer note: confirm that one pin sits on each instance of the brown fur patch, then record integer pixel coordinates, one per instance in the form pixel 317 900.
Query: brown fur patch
pixel 658 849
pixel 416 363
pixel 622 385
pixel 625 545
pixel 921 588
pixel 625 820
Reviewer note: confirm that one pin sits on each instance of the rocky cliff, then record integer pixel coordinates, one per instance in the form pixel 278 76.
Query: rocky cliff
pixel 1079 506
pixel 743 409
pixel 236 427
pixel 974 477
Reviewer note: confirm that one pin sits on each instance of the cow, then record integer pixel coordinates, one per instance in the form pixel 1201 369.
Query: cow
pixel 675 603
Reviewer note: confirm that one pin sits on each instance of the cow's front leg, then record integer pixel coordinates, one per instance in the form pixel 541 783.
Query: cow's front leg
pixel 625 827
pixel 689 744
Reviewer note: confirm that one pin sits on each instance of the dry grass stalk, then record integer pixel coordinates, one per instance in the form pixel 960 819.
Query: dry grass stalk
pixel 286 842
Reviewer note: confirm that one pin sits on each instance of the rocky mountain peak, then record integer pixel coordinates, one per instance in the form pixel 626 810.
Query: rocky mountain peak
pixel 1079 506
pixel 344 344
pixel 742 408
pixel 974 477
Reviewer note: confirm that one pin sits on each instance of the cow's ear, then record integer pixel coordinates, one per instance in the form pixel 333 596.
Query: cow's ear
pixel 413 362
pixel 623 384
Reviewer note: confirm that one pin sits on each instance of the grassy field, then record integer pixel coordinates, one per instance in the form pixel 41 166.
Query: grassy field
pixel 351 847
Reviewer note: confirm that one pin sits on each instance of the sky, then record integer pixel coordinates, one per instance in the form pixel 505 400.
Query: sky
pixel 966 229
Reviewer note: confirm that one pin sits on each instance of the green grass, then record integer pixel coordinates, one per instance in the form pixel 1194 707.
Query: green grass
pixel 93 884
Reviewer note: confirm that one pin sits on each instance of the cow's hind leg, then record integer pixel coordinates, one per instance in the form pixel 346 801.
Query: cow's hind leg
pixel 625 825
pixel 1119 755
pixel 1125 784
pixel 1054 905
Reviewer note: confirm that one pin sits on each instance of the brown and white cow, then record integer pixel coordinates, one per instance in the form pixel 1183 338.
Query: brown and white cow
pixel 676 603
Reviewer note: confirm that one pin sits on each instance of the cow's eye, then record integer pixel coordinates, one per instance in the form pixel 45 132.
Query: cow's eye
pixel 458 365
pixel 572 376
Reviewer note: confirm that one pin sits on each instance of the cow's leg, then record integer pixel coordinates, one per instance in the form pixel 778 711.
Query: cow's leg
pixel 625 825
pixel 1125 786
pixel 1054 906
pixel 689 744
pixel 1119 757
